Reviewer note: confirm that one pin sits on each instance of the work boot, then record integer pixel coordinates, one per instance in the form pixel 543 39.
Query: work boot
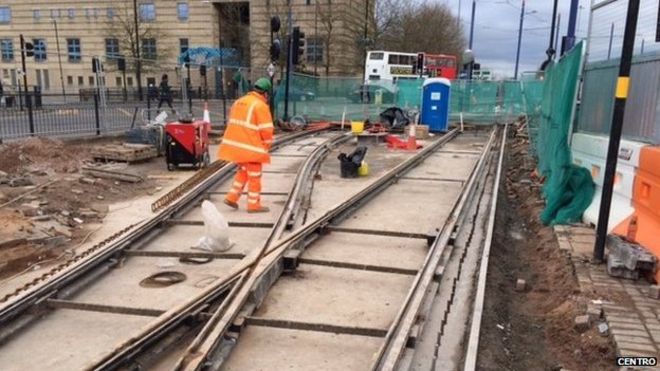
pixel 231 204
pixel 261 209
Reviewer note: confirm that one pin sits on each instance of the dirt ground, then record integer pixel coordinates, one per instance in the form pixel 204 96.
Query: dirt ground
pixel 59 203
pixel 534 329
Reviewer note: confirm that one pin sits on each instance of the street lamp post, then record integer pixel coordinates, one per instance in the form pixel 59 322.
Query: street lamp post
pixel 520 29
pixel 138 64
pixel 59 59
pixel 474 5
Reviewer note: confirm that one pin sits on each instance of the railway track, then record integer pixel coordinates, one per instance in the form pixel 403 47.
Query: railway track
pixel 359 285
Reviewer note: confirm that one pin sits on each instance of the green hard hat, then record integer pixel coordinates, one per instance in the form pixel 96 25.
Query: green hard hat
pixel 263 84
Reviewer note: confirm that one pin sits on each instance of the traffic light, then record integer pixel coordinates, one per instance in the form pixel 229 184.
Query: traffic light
pixel 476 67
pixel 29 49
pixel 96 65
pixel 275 50
pixel 121 64
pixel 202 70
pixel 420 62
pixel 275 24
pixel 298 45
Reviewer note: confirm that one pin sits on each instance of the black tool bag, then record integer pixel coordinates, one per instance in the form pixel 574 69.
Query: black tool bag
pixel 349 164
pixel 394 118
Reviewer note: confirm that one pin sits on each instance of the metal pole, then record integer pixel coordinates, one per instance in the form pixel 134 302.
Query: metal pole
pixel 364 42
pixel 188 83
pixel 551 52
pixel 557 33
pixel 621 95
pixel 458 19
pixel 138 65
pixel 642 49
pixel 224 93
pixel 474 6
pixel 609 49
pixel 570 35
pixel 316 37
pixel 289 62
pixel 59 59
pixel 520 29
pixel 28 101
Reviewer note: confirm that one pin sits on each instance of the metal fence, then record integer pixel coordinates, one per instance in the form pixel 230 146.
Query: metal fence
pixel 88 114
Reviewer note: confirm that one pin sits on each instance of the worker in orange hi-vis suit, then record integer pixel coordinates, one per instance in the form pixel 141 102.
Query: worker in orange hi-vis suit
pixel 246 142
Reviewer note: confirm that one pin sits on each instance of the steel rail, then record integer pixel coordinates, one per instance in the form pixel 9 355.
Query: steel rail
pixel 475 327
pixel 204 341
pixel 276 251
pixel 395 341
pixel 35 294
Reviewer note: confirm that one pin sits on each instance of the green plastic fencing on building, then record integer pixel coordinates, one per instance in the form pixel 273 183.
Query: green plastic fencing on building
pixel 477 102
pixel 568 188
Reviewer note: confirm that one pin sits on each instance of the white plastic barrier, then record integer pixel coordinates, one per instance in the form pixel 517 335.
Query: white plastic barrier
pixel 590 152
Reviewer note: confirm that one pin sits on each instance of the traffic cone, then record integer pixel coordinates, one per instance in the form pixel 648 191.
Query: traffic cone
pixel 207 115
pixel 412 140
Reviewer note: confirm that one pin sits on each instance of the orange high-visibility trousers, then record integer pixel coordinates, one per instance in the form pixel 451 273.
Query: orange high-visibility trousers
pixel 249 173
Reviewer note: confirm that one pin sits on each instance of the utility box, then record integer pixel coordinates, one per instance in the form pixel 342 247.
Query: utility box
pixel 435 104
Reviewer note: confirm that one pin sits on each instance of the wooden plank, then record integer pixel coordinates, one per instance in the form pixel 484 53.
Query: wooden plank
pixel 116 175
pixel 317 327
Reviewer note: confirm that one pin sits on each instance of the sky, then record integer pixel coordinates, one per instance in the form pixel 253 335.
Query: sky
pixel 496 31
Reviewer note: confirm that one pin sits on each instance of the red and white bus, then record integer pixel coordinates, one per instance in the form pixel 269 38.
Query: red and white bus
pixel 390 66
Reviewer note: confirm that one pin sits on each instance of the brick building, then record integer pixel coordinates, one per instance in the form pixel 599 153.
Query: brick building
pixel 81 30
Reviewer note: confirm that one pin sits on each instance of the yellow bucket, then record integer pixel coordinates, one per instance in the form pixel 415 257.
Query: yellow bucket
pixel 363 170
pixel 357 127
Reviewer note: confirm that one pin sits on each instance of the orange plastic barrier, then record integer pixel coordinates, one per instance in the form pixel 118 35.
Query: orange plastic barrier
pixel 646 201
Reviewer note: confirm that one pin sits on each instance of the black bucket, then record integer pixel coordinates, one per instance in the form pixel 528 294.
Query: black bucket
pixel 349 164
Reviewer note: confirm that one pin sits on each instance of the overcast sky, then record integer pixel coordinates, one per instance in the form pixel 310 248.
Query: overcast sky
pixel 496 31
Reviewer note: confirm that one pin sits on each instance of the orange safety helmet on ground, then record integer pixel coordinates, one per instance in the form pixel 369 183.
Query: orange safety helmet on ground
pixel 249 132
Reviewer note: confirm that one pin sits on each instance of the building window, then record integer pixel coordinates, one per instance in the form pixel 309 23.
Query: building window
pixel 36 14
pixel 95 12
pixel 148 12
pixel 182 11
pixel 69 80
pixel 55 13
pixel 39 50
pixel 71 13
pixel 7 50
pixel 73 47
pixel 110 12
pixel 91 80
pixel 5 14
pixel 88 13
pixel 308 2
pixel 183 45
pixel 149 48
pixel 81 81
pixel 118 81
pixel 314 50
pixel 129 81
pixel 112 48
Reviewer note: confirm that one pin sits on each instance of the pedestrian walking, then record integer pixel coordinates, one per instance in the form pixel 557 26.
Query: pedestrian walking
pixel 165 93
pixel 246 142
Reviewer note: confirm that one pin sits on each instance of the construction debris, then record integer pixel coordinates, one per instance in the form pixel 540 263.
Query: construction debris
pixel 127 152
pixel 110 174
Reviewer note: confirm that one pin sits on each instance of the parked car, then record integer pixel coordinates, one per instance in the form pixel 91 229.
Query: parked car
pixel 366 93
pixel 300 95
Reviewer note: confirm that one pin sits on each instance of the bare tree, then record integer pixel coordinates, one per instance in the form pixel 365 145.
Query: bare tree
pixel 122 28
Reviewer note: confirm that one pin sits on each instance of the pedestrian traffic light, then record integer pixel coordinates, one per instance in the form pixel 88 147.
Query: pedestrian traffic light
pixel 202 70
pixel 298 45
pixel 275 50
pixel 476 67
pixel 121 64
pixel 29 49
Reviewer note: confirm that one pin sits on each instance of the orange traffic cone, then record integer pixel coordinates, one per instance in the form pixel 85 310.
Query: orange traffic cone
pixel 412 140
pixel 207 115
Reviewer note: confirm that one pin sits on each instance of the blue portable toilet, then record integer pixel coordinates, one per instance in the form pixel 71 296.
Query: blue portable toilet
pixel 435 104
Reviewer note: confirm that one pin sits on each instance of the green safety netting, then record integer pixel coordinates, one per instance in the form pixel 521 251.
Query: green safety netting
pixel 568 189
pixel 332 97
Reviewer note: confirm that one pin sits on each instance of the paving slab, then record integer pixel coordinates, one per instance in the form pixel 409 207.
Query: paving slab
pixel 270 182
pixel 337 296
pixel 61 343
pixel 263 348
pixel 121 286
pixel 446 166
pixel 406 253
pixel 398 208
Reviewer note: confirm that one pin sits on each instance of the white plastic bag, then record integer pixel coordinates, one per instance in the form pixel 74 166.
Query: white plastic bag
pixel 216 230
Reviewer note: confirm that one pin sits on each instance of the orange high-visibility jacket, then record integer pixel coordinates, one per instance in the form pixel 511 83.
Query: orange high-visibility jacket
pixel 249 132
